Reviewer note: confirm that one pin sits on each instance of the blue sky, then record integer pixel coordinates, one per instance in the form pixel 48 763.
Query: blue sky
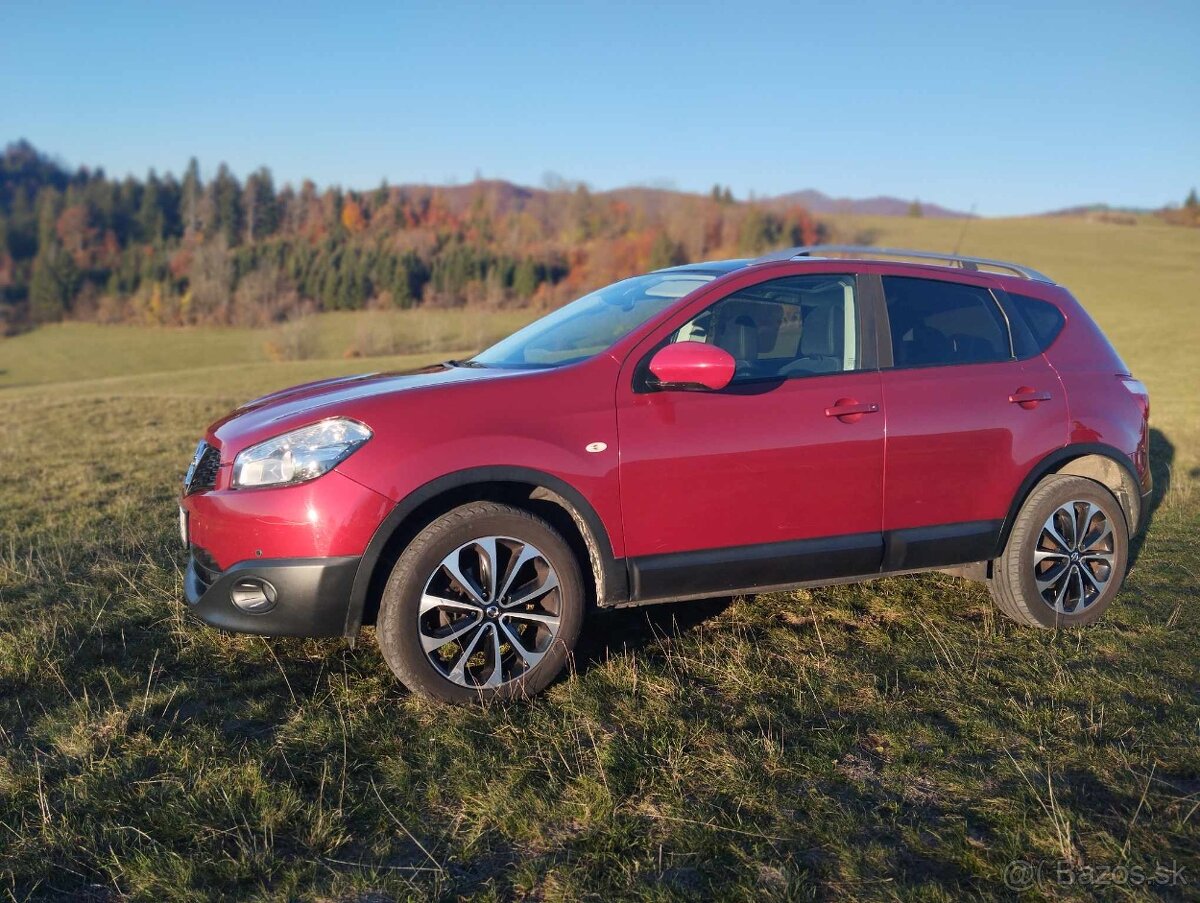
pixel 1012 107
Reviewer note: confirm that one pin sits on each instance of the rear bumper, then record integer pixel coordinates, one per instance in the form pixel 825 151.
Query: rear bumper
pixel 311 595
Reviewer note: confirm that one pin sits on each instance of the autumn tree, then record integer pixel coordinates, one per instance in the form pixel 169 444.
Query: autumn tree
pixel 210 282
pixel 157 249
pixel 352 217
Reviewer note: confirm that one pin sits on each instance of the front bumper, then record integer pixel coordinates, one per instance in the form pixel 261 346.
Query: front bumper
pixel 311 595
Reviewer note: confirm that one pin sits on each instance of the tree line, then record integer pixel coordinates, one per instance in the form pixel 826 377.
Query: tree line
pixel 187 250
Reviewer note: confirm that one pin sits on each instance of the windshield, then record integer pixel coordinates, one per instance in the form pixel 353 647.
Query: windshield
pixel 588 326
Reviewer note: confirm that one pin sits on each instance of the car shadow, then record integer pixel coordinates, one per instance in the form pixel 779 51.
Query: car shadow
pixel 1162 460
pixel 616 631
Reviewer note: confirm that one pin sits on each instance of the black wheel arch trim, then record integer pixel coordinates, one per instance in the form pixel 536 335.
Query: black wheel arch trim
pixel 1050 464
pixel 616 579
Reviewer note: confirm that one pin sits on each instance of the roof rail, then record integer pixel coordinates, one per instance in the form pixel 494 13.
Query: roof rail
pixel 865 251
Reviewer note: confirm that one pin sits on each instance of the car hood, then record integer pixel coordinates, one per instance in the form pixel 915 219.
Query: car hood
pixel 300 405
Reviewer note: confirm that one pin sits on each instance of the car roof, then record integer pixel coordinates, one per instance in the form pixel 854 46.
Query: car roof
pixel 710 267
pixel 919 261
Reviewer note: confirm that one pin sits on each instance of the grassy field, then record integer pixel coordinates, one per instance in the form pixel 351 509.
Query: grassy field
pixel 882 741
pixel 85 352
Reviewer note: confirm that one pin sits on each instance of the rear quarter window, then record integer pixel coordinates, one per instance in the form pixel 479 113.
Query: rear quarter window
pixel 1045 321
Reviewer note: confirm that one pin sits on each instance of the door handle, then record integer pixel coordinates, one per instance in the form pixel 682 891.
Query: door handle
pixel 848 410
pixel 1028 398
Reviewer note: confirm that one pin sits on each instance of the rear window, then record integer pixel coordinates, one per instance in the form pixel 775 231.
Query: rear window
pixel 934 323
pixel 1045 320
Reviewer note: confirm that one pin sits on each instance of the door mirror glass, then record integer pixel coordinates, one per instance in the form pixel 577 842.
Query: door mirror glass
pixel 692 366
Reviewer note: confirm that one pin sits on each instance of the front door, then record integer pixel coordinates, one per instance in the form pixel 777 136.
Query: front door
pixel 777 478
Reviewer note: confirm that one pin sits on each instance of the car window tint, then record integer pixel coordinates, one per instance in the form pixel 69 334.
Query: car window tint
pixel 1045 320
pixel 784 328
pixel 934 323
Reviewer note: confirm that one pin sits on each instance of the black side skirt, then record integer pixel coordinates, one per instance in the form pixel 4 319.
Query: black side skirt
pixel 778 565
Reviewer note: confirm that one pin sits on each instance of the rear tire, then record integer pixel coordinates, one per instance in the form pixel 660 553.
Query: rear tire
pixel 486 603
pixel 1066 555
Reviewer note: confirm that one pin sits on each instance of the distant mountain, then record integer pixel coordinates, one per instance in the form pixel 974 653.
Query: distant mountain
pixel 818 202
pixel 1096 209
pixel 509 196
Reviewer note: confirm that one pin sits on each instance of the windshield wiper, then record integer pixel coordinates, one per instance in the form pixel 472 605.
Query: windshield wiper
pixel 475 365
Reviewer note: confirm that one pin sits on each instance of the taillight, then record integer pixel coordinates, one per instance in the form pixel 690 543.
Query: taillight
pixel 1139 391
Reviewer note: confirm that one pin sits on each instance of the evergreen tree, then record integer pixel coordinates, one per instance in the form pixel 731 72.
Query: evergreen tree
pixel 666 253
pixel 150 215
pixel 525 279
pixel 259 205
pixel 227 196
pixel 53 284
pixel 191 191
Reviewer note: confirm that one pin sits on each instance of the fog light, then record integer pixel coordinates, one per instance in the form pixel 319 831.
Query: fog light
pixel 253 595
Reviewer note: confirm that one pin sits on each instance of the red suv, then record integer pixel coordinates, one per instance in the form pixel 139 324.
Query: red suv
pixel 816 416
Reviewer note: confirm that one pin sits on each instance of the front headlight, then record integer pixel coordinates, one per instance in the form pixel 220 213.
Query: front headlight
pixel 300 455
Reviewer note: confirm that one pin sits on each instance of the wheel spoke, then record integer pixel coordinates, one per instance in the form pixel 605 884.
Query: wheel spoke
pixel 1072 524
pixel 430 602
pixel 1061 595
pixel 497 676
pixel 487 564
pixel 530 657
pixel 550 621
pixel 1105 533
pixel 1081 594
pixel 434 643
pixel 1086 573
pixel 459 674
pixel 528 554
pixel 1086 524
pixel 1051 577
pixel 528 595
pixel 450 563
pixel 1040 555
pixel 1051 529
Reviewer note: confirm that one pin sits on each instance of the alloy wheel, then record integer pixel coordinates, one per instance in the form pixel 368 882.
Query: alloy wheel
pixel 1074 555
pixel 489 612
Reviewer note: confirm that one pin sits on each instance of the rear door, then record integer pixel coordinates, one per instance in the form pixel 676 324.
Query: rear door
pixel 775 479
pixel 966 417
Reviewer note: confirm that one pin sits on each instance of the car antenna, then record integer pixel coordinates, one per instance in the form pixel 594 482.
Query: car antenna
pixel 966 222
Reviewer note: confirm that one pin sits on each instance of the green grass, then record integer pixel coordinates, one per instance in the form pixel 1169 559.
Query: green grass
pixel 83 352
pixel 881 741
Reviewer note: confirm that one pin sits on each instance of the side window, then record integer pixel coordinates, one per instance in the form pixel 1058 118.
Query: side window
pixel 784 328
pixel 1044 319
pixel 934 323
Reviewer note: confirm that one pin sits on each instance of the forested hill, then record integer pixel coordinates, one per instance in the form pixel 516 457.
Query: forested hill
pixel 180 250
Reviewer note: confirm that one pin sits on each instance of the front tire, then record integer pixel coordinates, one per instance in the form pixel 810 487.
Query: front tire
pixel 486 603
pixel 1065 558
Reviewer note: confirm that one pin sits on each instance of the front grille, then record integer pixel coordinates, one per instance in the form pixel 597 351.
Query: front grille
pixel 203 473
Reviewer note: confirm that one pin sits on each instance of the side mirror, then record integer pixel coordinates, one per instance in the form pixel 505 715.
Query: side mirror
pixel 692 365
